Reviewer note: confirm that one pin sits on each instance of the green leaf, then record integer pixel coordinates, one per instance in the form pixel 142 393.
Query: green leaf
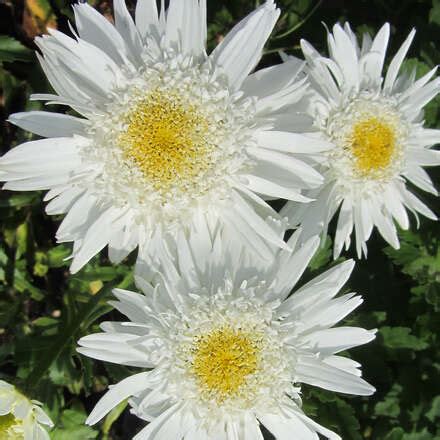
pixel 65 336
pixel 322 256
pixel 434 13
pixel 13 50
pixel 56 257
pixel 424 435
pixel 400 337
pixel 71 427
pixel 112 416
pixel 390 406
pixel 434 413
pixel 395 434
pixel 19 200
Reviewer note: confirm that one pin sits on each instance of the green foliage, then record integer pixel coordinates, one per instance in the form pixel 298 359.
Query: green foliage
pixel 44 310
pixel 13 50
pixel 71 426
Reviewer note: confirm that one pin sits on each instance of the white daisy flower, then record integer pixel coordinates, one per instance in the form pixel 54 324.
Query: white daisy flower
pixel 21 418
pixel 375 124
pixel 169 139
pixel 226 347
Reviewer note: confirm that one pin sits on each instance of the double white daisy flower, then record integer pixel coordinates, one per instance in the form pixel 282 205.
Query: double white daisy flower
pixel 21 418
pixel 169 138
pixel 375 124
pixel 226 347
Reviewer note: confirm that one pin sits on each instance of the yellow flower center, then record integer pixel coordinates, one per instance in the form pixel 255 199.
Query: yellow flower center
pixel 223 361
pixel 166 138
pixel 373 145
pixel 10 428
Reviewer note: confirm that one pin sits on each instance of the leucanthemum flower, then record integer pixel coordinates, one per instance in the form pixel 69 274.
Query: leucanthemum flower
pixel 223 348
pixel 169 138
pixel 21 418
pixel 375 124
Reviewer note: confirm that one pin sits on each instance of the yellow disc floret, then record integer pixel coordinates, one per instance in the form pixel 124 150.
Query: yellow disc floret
pixel 166 138
pixel 223 360
pixel 10 428
pixel 372 145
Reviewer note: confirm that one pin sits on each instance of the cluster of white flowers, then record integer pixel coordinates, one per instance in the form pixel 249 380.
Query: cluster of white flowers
pixel 175 153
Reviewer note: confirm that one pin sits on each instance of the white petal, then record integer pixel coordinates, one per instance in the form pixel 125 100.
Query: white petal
pixel 186 25
pixel 266 82
pixel 342 363
pixel 6 403
pixel 292 268
pixel 240 50
pixel 97 30
pixel 88 73
pixel 96 238
pixel 116 348
pixel 396 63
pixel 48 124
pixel 414 204
pixel 236 227
pixel 268 188
pixel 420 178
pixel 424 156
pixel 318 428
pixel 396 207
pixel 122 244
pixel 127 29
pixel 64 201
pixel 131 304
pixel 414 88
pixel 147 17
pixel 313 371
pixel 323 79
pixel 344 227
pixel 284 170
pixel 118 393
pixel 379 47
pixel 324 286
pixel 256 222
pixel 282 427
pixel 418 100
pixel 344 53
pixel 384 224
pixel 166 421
pixel 334 340
pixel 292 142
pixel 251 429
pixel 83 211
pixel 325 313
pixel 40 164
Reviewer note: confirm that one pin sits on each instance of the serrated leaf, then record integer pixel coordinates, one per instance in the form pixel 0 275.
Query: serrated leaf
pixel 401 337
pixel 390 406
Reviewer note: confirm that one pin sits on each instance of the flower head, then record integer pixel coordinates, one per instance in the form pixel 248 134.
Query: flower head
pixel 375 124
pixel 165 138
pixel 227 348
pixel 21 418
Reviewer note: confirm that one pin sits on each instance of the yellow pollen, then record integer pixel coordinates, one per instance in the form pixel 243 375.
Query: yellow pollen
pixel 10 428
pixel 223 360
pixel 373 145
pixel 166 138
